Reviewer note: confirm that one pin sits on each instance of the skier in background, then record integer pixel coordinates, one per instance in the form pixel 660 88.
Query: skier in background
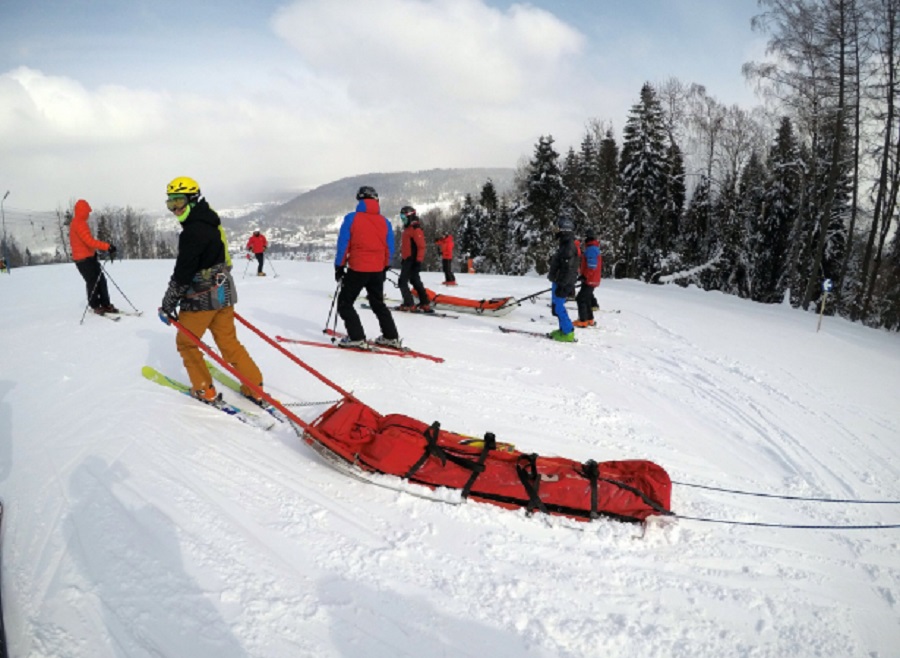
pixel 446 245
pixel 258 245
pixel 563 274
pixel 365 247
pixel 84 253
pixel 201 285
pixel 589 273
pixel 412 253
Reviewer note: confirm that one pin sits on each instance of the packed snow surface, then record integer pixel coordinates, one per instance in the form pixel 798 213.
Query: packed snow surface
pixel 139 523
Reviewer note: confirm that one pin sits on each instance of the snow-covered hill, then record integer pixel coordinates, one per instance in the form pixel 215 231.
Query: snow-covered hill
pixel 140 523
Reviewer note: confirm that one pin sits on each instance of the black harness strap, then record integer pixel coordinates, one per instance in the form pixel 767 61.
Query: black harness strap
pixel 591 470
pixel 490 443
pixel 433 449
pixel 640 494
pixel 526 467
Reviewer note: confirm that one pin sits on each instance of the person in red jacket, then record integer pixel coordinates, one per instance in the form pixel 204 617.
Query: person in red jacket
pixel 258 245
pixel 412 253
pixel 365 247
pixel 589 272
pixel 446 245
pixel 84 253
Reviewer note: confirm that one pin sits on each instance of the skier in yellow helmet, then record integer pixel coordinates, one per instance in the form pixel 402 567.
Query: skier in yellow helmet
pixel 202 286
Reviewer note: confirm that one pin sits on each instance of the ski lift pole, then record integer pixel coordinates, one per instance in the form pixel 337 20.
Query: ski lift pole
pixel 827 287
pixel 4 256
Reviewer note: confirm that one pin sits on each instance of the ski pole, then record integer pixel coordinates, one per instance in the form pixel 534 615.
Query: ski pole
pixel 526 298
pixel 246 266
pixel 103 269
pixel 337 291
pixel 91 296
pixel 274 271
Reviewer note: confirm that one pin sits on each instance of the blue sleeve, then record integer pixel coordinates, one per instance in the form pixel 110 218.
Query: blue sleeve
pixel 390 239
pixel 343 240
pixel 592 256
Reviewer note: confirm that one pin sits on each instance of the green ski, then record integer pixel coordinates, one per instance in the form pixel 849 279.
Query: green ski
pixel 247 417
pixel 228 381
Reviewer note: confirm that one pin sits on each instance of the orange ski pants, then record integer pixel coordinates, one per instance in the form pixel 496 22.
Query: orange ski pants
pixel 221 324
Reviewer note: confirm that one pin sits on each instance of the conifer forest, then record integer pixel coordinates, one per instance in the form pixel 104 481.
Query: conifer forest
pixel 775 204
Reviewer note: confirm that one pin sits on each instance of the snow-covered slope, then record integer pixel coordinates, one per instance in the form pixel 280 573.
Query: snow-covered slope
pixel 140 523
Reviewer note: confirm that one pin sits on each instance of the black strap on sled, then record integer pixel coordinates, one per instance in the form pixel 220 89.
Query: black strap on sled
pixel 526 467
pixel 640 494
pixel 433 449
pixel 591 471
pixel 490 443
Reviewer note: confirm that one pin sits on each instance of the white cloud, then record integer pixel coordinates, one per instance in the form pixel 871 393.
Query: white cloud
pixel 40 109
pixel 452 51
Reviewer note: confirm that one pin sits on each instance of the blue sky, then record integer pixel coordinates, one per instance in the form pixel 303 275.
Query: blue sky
pixel 108 100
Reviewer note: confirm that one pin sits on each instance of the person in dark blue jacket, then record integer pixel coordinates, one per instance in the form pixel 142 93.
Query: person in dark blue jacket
pixel 563 274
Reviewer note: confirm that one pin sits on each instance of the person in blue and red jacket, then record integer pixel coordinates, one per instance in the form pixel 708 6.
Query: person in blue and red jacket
pixel 412 253
pixel 365 247
pixel 589 273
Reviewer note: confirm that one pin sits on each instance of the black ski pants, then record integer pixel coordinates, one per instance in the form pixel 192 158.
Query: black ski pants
pixel 351 285
pixel 447 264
pixel 409 273
pixel 259 259
pixel 95 282
pixel 585 300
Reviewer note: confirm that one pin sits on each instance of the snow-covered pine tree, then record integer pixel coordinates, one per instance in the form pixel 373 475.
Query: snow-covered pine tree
pixel 468 232
pixel 643 171
pixel 609 223
pixel 751 207
pixel 695 231
pixel 544 196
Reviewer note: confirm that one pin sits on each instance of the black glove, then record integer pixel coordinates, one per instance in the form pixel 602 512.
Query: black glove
pixel 339 272
pixel 172 298
pixel 111 251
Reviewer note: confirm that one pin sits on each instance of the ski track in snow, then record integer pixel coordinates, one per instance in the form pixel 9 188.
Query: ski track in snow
pixel 140 523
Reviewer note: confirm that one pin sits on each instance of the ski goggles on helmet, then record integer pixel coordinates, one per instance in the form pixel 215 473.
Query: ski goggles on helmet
pixel 177 203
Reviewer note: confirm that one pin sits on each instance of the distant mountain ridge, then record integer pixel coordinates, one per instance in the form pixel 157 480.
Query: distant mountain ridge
pixel 311 219
pixel 429 188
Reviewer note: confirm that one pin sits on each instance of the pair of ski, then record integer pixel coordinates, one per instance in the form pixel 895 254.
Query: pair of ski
pixel 431 314
pixel 118 315
pixel 370 348
pixel 251 418
pixel 536 334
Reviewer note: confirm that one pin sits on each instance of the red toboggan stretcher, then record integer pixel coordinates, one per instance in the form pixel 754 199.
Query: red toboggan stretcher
pixel 367 444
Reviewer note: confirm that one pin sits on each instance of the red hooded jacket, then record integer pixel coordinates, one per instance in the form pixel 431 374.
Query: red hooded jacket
pixel 82 242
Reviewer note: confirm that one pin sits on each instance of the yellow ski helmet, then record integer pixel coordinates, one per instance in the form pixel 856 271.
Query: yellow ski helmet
pixel 183 185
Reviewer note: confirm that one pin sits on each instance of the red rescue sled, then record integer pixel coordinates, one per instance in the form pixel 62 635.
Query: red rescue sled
pixel 497 306
pixel 364 442
pixel 489 472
